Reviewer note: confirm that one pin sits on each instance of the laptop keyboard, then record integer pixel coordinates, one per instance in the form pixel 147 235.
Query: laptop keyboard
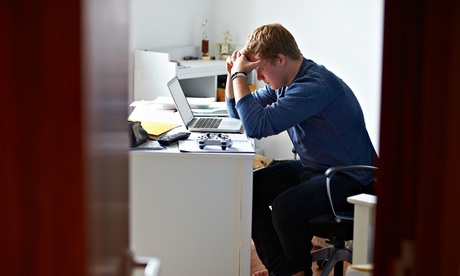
pixel 207 122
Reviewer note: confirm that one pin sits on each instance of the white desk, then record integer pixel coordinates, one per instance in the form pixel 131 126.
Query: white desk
pixel 192 211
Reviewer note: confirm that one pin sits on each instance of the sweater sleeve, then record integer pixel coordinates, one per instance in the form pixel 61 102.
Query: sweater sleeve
pixel 267 112
pixel 232 112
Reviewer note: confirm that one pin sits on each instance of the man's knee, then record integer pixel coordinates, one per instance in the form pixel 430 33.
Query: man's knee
pixel 281 210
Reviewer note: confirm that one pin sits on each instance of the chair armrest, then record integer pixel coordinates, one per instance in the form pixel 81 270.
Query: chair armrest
pixel 332 170
pixel 336 169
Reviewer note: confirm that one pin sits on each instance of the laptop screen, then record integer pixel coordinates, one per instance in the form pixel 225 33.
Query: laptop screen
pixel 180 100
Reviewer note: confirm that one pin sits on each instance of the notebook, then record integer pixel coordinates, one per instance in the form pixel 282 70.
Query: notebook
pixel 241 144
pixel 200 124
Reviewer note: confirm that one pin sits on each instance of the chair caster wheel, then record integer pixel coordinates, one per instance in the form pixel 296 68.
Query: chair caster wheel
pixel 322 264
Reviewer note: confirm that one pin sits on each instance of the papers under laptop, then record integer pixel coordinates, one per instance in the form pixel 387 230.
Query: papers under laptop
pixel 200 124
pixel 214 109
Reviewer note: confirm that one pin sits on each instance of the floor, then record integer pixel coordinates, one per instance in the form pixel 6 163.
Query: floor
pixel 256 265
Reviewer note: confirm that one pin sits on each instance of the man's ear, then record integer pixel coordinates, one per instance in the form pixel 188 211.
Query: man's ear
pixel 281 59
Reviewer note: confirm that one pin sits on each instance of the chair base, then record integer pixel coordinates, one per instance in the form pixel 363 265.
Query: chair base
pixel 334 256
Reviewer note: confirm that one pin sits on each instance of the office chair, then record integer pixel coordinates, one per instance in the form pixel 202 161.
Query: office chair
pixel 336 227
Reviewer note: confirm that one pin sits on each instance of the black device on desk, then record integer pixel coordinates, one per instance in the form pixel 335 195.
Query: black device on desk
pixel 169 139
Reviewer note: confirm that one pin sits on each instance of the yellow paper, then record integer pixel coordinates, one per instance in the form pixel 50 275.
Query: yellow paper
pixel 157 128
pixel 154 121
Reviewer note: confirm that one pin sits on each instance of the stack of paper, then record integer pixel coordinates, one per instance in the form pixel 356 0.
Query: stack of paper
pixel 164 102
pixel 214 109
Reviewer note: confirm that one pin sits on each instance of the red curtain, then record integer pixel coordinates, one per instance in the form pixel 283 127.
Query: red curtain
pixel 418 191
pixel 41 199
pixel 63 153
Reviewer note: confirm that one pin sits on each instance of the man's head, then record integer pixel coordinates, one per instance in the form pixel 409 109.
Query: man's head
pixel 277 54
pixel 267 41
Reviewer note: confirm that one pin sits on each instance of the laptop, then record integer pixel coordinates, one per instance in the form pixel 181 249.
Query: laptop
pixel 200 124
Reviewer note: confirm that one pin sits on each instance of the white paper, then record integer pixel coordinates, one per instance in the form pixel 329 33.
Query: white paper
pixel 168 102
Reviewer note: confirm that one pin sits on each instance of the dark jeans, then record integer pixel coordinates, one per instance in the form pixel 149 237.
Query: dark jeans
pixel 296 194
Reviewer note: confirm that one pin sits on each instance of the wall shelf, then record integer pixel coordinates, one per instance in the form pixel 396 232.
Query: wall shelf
pixel 152 71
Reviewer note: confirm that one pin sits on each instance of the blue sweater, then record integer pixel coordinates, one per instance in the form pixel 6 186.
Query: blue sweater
pixel 321 115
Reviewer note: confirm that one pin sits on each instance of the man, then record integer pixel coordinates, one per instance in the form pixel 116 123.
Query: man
pixel 326 126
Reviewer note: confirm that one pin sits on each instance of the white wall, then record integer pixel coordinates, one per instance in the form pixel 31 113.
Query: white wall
pixel 157 24
pixel 160 23
pixel 345 36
